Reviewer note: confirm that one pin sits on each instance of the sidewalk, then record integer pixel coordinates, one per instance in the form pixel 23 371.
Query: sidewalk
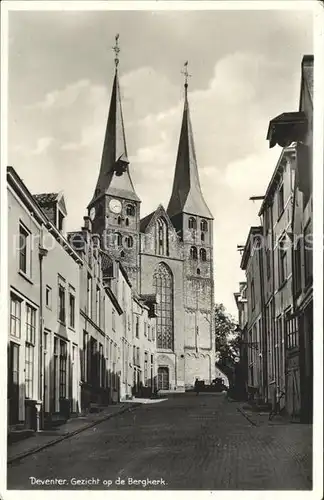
pixel 46 438
pixel 258 417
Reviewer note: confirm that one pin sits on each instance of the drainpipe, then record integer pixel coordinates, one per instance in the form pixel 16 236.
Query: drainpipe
pixel 263 323
pixel 41 403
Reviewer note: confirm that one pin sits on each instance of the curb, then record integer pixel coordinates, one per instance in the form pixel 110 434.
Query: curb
pixel 70 434
pixel 246 416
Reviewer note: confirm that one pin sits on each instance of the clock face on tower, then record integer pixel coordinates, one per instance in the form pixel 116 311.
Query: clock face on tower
pixel 115 206
pixel 92 213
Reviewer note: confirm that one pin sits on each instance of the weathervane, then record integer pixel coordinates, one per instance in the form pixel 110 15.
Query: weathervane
pixel 116 49
pixel 185 73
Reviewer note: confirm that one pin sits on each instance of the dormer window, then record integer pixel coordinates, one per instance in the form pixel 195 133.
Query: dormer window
pixel 192 223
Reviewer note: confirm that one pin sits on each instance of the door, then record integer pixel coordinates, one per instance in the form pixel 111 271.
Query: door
pixel 13 383
pixel 163 378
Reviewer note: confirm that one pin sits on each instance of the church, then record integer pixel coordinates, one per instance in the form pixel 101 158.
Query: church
pixel 167 253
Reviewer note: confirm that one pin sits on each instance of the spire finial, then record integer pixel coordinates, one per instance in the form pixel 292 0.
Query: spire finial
pixel 186 75
pixel 116 49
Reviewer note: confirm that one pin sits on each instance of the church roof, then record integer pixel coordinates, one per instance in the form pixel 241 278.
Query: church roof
pixel 114 177
pixel 45 198
pixel 186 192
pixel 145 221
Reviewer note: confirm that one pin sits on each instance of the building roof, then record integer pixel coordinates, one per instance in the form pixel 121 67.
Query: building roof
pixel 145 221
pixel 186 192
pixel 45 198
pixel 276 176
pixel 114 177
pixel 308 73
pixel 254 230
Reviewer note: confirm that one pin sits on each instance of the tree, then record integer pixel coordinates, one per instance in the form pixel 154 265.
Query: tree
pixel 226 336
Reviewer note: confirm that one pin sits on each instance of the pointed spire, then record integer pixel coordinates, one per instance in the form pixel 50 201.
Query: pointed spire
pixel 114 177
pixel 186 192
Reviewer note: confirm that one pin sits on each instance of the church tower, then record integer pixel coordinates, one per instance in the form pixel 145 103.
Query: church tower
pixel 115 207
pixel 193 221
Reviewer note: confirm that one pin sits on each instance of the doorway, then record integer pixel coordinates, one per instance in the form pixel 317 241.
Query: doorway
pixel 163 378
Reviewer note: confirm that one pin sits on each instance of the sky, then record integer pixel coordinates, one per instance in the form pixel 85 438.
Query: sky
pixel 245 68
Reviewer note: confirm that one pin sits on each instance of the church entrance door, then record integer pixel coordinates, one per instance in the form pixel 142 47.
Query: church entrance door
pixel 163 378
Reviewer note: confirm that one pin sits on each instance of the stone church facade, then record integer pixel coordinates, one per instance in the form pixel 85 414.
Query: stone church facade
pixel 168 253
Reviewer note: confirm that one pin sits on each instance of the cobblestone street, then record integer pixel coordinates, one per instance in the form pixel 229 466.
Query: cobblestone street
pixel 186 442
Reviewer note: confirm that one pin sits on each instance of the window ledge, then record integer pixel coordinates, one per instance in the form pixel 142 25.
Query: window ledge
pixel 24 275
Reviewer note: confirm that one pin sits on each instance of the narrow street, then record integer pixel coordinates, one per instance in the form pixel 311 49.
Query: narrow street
pixel 186 442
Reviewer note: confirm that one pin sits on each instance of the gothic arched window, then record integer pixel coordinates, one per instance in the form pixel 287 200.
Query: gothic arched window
pixel 119 219
pixel 202 236
pixel 203 254
pixel 162 237
pixel 193 253
pixel 203 225
pixel 192 223
pixel 163 284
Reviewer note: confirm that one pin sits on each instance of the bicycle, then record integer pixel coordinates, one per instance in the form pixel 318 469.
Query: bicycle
pixel 276 410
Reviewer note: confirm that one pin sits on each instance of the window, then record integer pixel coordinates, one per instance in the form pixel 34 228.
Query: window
pixel 162 237
pixel 202 236
pixel 145 326
pixel 252 294
pixel 280 200
pixel 118 240
pixel 203 254
pixel 61 303
pixel 153 333
pixel 23 249
pixel 198 271
pixel 84 357
pixel 308 254
pixel 145 368
pixel 268 262
pixel 129 241
pixel 130 210
pixel 48 296
pixel 101 366
pixel 192 223
pixel 193 253
pixel 98 305
pixel 113 320
pixel 203 225
pixel 29 370
pixel 62 368
pixel 29 350
pixel 282 258
pixel 134 355
pixel 89 295
pixel 138 356
pixel 163 284
pixel 149 331
pixel 137 327
pixel 292 331
pixel 127 221
pixel 30 324
pixel 72 310
pixel 119 220
pixel 297 268
pixel 15 316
